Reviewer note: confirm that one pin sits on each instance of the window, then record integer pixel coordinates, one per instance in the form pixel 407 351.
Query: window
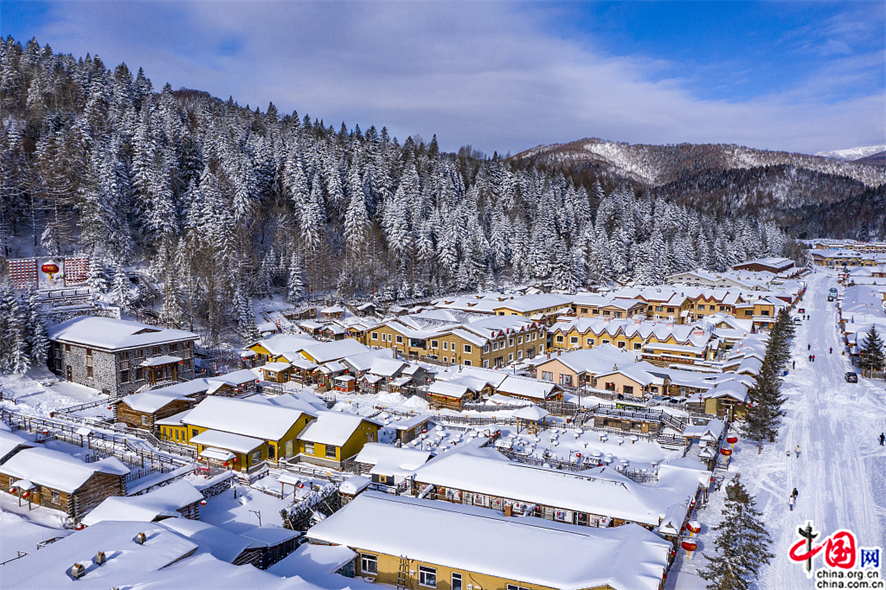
pixel 486 348
pixel 467 363
pixel 670 310
pixel 764 312
pixel 520 340
pixel 89 372
pixel 177 433
pixel 427 576
pixel 748 312
pixel 495 346
pixel 173 348
pixel 621 344
pixel 124 375
pixel 510 341
pixel 628 389
pixel 559 339
pixel 139 374
pixel 573 340
pixel 256 457
pixel 368 564
pixel 330 452
pixel 547 376
pixel 445 345
pixel 566 380
pixel 637 346
pixel 658 308
pixel 124 363
pixel 584 310
pixel 604 342
pixel 512 587
pixel 309 448
pixel 144 420
pixel 519 354
pixel 701 308
pixel 456 582
pixel 434 344
pixel 590 341
pixel 56 497
pixel 155 351
pixel 486 364
pixel 67 348
pixel 375 335
pixel 606 312
pixel 194 432
pixel 596 312
pixel 399 339
pixel 722 307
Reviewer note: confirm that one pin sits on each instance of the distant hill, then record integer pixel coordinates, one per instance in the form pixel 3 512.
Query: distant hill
pixel 874 159
pixel 726 179
pixel 854 154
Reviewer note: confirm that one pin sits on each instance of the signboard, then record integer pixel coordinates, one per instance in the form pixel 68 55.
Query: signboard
pixel 48 273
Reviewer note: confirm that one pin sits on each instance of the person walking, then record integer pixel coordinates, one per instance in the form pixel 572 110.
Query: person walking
pixel 882 438
pixel 795 493
pixel 797 450
pixel 791 499
pixel 793 364
pixel 809 346
pixel 831 350
pixel 813 358
pixel 788 452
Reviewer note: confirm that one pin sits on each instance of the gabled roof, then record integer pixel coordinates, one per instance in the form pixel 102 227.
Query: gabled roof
pixel 236 378
pixel 242 416
pixel 57 470
pixel 112 334
pixel 332 351
pixel 531 551
pixel 281 343
pixel 526 387
pixel 333 428
pixel 165 501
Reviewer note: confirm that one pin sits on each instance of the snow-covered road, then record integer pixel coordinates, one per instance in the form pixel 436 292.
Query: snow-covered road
pixel 841 471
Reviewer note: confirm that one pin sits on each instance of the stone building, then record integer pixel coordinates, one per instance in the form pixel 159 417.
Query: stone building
pixel 119 357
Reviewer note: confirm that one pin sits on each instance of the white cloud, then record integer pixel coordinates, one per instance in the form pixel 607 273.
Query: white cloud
pixel 485 74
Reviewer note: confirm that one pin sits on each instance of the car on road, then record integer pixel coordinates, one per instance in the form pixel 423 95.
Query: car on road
pixel 851 377
pixel 798 321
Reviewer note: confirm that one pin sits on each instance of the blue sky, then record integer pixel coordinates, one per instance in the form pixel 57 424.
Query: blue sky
pixel 508 76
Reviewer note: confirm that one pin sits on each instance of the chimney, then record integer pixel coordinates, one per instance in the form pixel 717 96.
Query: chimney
pixel 100 558
pixel 141 538
pixel 78 571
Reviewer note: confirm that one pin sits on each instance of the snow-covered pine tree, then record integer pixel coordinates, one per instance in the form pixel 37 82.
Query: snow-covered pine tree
pixel 38 343
pixel 870 356
pixel 742 543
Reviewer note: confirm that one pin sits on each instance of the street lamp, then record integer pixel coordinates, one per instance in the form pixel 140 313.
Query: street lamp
pixel 258 514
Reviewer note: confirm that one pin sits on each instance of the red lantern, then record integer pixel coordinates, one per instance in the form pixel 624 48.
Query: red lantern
pixel 578 455
pixel 51 414
pixel 202 502
pixel 689 545
pixel 732 440
pixel 26 494
pixel 11 490
pixel 725 452
pixel 50 268
pixel 693 528
pixel 300 485
pixel 225 463
pixel 109 407
pixel 80 527
pixel 235 459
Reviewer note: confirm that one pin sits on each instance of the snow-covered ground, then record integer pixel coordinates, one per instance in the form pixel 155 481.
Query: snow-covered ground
pixel 841 471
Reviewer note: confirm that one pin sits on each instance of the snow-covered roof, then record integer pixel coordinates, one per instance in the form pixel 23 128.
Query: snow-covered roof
pixel 354 485
pixel 164 501
pixel 270 534
pixel 332 309
pixel 9 441
pixel 410 422
pixel 595 360
pixel 235 378
pixel 551 554
pixel 529 303
pixel 275 367
pixel 241 416
pixel 112 334
pixel 449 389
pixel 404 458
pixel 527 387
pixel 222 544
pixel 226 440
pixel 159 361
pixel 313 562
pixel 186 388
pixel 332 428
pixel 602 492
pixel 532 413
pixel 151 401
pixel 57 470
pixel 337 349
pixel 282 343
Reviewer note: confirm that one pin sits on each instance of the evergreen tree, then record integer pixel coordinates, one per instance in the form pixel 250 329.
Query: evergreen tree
pixel 38 343
pixel 870 356
pixel 742 543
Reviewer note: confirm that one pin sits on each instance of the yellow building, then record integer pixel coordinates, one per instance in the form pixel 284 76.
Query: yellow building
pixel 423 544
pixel 244 432
pixel 335 437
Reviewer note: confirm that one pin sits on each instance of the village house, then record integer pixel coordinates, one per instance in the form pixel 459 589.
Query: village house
pixel 10 444
pixel 426 541
pixel 542 307
pixel 579 367
pixel 57 480
pixel 335 437
pixel 772 264
pixel 389 465
pixel 117 357
pixel 270 349
pixel 176 499
pixel 238 433
pixel 527 389
pixel 236 384
pixel 604 498
pixel 636 379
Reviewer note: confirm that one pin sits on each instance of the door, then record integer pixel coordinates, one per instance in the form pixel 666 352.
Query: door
pixel 68 373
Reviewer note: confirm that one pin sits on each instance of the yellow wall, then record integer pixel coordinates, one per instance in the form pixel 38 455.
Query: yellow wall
pixel 351 447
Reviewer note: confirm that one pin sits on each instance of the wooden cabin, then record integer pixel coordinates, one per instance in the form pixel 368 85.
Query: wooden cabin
pixel 276 372
pixel 408 429
pixel 143 410
pixel 447 394
pixel 335 437
pixel 57 480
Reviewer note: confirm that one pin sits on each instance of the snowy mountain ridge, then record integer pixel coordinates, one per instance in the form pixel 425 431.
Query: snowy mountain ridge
pixel 855 153
pixel 656 165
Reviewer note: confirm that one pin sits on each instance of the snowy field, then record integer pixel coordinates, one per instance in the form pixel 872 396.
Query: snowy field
pixel 841 471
